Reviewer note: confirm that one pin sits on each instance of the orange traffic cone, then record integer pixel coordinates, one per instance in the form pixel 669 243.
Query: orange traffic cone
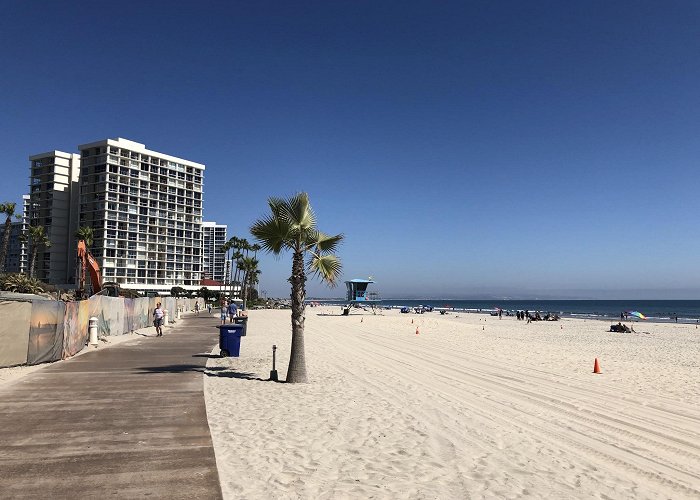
pixel 416 330
pixel 596 367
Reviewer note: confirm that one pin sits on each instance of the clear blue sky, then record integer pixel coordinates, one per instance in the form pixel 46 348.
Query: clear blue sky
pixel 464 148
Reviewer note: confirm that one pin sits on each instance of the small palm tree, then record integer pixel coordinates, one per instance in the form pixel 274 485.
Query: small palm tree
pixel 291 225
pixel 87 234
pixel 36 235
pixel 9 210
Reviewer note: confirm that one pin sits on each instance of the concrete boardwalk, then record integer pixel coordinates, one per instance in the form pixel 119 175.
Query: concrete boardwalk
pixel 124 422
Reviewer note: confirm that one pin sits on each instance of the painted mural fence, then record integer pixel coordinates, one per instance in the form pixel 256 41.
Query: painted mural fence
pixel 41 331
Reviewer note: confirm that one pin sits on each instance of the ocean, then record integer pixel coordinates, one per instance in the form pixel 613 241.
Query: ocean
pixel 687 311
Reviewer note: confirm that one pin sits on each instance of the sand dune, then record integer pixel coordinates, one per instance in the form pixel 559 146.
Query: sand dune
pixel 471 407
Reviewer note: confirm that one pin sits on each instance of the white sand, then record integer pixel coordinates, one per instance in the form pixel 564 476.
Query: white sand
pixel 459 412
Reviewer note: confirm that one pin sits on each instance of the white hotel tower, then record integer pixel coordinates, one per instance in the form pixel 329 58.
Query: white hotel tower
pixel 146 211
pixel 214 236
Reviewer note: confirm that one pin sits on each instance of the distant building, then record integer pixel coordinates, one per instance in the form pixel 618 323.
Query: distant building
pixel 53 203
pixel 214 262
pixel 17 259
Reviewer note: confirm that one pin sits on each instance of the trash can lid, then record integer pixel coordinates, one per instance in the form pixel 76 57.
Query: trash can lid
pixel 230 327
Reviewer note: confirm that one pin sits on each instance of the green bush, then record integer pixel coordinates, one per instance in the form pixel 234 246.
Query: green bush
pixel 20 283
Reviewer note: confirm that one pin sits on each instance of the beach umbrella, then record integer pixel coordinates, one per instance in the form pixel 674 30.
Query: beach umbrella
pixel 638 314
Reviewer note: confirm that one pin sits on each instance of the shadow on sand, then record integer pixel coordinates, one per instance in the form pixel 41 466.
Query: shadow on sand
pixel 213 371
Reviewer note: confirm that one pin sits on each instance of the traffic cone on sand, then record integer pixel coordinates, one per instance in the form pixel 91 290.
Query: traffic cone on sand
pixel 596 366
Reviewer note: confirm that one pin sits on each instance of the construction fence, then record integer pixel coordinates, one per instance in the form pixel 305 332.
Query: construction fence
pixel 40 331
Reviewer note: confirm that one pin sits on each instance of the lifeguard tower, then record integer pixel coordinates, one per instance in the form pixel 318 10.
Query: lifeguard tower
pixel 358 296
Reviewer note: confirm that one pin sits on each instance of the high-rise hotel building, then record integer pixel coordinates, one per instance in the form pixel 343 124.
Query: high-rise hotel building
pixel 53 203
pixel 145 209
pixel 214 236
pixel 17 258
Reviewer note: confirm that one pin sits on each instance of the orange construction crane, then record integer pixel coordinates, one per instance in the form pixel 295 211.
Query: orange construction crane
pixel 88 263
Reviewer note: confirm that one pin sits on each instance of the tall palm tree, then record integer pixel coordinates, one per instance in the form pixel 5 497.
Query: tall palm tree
pixel 36 235
pixel 8 209
pixel 291 225
pixel 231 244
pixel 226 248
pixel 87 234
pixel 249 266
pixel 241 246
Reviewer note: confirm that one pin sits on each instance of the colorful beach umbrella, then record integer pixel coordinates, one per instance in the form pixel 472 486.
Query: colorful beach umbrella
pixel 638 314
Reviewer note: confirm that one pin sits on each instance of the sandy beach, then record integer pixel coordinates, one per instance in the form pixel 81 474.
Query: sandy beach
pixel 470 407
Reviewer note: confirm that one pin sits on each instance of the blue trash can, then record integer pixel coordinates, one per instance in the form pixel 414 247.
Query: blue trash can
pixel 230 340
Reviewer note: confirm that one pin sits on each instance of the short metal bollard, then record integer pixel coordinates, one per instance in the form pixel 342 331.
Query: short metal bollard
pixel 273 373
pixel 92 330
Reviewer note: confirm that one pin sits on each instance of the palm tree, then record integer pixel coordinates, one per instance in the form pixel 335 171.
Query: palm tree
pixel 36 235
pixel 291 225
pixel 226 248
pixel 241 245
pixel 87 234
pixel 9 210
pixel 249 266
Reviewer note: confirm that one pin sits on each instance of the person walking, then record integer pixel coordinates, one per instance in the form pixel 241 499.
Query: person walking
pixel 158 315
pixel 196 308
pixel 232 311
pixel 224 310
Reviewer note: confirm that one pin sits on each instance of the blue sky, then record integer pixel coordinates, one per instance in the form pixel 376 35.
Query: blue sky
pixel 464 148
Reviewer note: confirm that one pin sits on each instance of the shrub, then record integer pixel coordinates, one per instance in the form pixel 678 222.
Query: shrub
pixel 20 283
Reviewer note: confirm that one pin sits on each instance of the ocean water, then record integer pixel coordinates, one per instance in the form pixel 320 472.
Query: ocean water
pixel 687 311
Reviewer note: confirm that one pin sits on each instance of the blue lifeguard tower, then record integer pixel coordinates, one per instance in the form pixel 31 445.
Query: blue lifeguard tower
pixel 358 296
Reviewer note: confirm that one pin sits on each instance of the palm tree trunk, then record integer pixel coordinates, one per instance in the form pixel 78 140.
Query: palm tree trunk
pixel 245 291
pixel 296 372
pixel 5 244
pixel 32 262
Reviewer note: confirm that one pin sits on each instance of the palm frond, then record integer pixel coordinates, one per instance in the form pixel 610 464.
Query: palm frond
pixel 300 213
pixel 326 267
pixel 272 233
pixel 325 243
pixel 276 206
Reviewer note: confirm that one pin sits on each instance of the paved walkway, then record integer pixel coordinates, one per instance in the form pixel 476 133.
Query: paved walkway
pixel 124 422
